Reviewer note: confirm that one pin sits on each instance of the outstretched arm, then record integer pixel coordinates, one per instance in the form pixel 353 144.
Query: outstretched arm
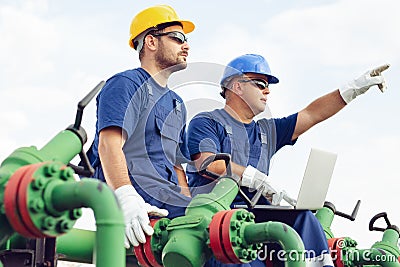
pixel 329 104
pixel 318 111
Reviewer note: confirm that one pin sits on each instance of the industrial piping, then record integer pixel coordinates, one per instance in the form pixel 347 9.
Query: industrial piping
pixel 108 215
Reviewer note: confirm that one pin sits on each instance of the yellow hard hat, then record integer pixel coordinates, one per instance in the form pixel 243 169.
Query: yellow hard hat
pixel 153 16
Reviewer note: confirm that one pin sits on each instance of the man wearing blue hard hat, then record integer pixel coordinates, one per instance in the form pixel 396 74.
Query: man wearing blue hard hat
pixel 252 144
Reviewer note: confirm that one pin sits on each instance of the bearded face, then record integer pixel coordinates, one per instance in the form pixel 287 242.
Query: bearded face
pixel 169 57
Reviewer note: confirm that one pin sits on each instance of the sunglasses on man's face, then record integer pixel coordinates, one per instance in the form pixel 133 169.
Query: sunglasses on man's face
pixel 174 35
pixel 260 83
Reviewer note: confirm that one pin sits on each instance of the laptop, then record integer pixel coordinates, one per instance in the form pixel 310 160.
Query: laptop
pixel 315 184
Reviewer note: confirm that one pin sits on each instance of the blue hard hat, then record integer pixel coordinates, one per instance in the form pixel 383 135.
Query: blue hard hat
pixel 248 63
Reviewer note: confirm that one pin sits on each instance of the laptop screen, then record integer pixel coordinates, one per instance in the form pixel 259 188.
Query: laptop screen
pixel 316 180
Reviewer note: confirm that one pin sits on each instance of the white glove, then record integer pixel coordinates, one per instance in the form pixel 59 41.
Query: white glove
pixel 136 211
pixel 361 84
pixel 277 198
pixel 254 179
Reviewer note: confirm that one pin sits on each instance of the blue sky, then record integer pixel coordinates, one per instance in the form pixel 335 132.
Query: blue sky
pixel 54 52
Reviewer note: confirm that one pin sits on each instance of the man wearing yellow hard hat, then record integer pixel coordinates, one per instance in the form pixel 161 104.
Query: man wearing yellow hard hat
pixel 139 143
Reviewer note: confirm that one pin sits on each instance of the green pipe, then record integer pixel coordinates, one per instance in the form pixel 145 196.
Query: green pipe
pixel 63 147
pixel 325 217
pixel 18 158
pixel 186 247
pixel 187 240
pixel 281 233
pixel 373 256
pixel 110 224
pixel 220 198
pixel 389 242
pixel 77 245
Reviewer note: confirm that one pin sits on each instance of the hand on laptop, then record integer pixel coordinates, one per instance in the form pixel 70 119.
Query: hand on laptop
pixel 276 195
pixel 254 179
pixel 276 198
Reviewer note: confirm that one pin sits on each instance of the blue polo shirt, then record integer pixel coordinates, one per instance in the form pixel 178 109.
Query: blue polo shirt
pixel 154 120
pixel 249 144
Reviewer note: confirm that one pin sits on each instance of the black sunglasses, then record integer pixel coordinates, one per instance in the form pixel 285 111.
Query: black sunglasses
pixel 174 35
pixel 260 83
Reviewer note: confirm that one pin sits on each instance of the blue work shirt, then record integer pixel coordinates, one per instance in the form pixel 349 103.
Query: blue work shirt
pixel 249 144
pixel 153 118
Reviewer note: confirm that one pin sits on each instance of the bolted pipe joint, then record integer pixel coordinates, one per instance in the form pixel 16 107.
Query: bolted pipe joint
pixel 227 240
pixel 28 205
pixel 44 200
pixel 192 229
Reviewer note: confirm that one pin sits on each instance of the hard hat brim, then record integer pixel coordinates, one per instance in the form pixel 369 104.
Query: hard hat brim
pixel 272 79
pixel 187 26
